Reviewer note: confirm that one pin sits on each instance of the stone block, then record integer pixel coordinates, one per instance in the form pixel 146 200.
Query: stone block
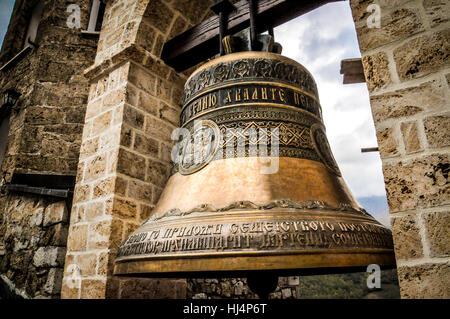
pixel 437 227
pixel 120 186
pixel 148 103
pixel 437 11
pixel 163 89
pixel 395 25
pixel 93 289
pixel 69 292
pixel 113 98
pixel 98 235
pixel 37 218
pixel 423 55
pixel 140 191
pixel 145 211
pixel 131 95
pixel 146 36
pixel 169 114
pixel 387 143
pixel 77 238
pixel 102 267
pixel 59 237
pixel 94 210
pixel 376 71
pixel 359 8
pixel 56 213
pixel 126 136
pixel 157 173
pixel 31 139
pixel 104 187
pixel 158 129
pixel 40 115
pixel 54 281
pixel 124 208
pixel 131 164
pixel 166 153
pixel 424 281
pixel 81 193
pixel 405 102
pixel 407 241
pixel 146 146
pixel 93 108
pixel 410 137
pixel 159 43
pixel 49 257
pixel 159 15
pixel 192 11
pixel 293 280
pixel 87 263
pixel 142 79
pixel 89 147
pixel 437 130
pixel 286 293
pixel 178 27
pixel 95 168
pixel 420 182
pixel 101 123
pixel 133 117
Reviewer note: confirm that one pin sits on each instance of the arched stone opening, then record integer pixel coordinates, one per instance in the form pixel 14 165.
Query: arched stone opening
pixel 125 158
pixel 134 105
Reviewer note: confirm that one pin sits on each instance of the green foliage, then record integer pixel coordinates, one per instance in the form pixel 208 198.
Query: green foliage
pixel 347 286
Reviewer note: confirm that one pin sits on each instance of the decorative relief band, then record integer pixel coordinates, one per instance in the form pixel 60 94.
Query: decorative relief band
pixel 255 132
pixel 232 139
pixel 264 235
pixel 248 205
pixel 246 94
pixel 270 69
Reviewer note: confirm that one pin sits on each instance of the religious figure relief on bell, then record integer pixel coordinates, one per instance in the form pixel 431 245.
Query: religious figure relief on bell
pixel 203 79
pixel 323 149
pixel 199 149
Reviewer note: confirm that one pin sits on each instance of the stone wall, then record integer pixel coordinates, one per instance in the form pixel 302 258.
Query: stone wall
pixel 44 138
pixel 47 121
pixel 34 233
pixel 407 68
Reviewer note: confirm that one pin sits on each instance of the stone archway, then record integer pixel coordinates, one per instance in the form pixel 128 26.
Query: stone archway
pixel 133 107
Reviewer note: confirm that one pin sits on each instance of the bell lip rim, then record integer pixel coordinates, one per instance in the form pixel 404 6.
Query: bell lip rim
pixel 259 253
pixel 247 54
pixel 384 257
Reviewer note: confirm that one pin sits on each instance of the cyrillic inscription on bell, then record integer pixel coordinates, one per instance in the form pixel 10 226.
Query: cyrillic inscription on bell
pixel 254 185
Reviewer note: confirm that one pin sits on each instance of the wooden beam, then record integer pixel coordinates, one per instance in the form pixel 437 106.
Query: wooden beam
pixel 202 41
pixel 353 71
pixel 369 149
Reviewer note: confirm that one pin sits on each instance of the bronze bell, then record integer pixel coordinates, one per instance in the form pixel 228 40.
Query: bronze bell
pixel 255 185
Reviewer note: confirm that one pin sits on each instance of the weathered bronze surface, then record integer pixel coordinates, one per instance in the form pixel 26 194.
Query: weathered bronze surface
pixel 221 213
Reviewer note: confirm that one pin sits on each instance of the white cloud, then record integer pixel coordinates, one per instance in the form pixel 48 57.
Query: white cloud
pixel 320 40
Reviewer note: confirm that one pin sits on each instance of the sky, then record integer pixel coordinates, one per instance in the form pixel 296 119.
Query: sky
pixel 320 40
pixel 6 7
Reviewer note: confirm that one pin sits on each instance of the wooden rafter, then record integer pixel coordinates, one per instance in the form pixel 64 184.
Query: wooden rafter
pixel 202 41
